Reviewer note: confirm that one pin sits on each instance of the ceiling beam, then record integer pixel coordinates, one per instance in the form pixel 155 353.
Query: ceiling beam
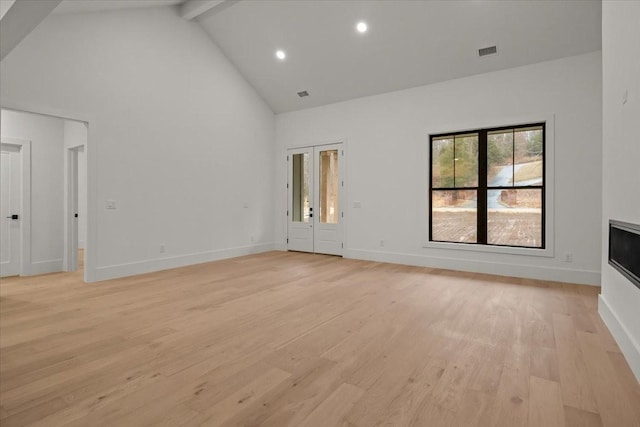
pixel 191 9
pixel 21 18
pixel 5 5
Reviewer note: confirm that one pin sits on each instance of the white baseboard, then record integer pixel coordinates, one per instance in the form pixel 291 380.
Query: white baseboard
pixel 44 267
pixel 630 348
pixel 280 246
pixel 585 277
pixel 148 266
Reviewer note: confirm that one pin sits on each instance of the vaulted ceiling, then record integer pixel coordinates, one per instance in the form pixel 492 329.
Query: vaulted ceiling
pixel 408 43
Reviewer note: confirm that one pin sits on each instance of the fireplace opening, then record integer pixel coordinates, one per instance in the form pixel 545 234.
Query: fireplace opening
pixel 624 249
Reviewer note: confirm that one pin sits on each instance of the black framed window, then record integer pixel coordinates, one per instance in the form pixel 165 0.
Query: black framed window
pixel 487 186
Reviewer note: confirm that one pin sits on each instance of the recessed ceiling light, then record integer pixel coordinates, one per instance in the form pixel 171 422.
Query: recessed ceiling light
pixel 361 27
pixel 280 54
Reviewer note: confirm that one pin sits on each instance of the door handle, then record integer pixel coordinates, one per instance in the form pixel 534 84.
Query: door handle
pixel 14 216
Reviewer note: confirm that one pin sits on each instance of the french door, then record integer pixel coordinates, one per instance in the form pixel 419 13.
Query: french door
pixel 315 199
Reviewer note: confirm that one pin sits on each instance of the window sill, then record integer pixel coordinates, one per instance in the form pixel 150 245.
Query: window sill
pixel 547 252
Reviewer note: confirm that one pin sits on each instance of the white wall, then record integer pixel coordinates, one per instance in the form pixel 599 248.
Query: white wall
pixel 47 197
pixel 387 162
pixel 177 138
pixel 75 134
pixel 620 299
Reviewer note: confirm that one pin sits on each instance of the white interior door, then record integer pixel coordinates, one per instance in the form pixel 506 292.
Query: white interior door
pixel 315 194
pixel 9 208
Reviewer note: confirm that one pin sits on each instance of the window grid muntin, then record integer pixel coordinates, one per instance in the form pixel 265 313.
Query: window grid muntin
pixel 481 190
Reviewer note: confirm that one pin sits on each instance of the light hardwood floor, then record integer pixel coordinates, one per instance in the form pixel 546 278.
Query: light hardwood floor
pixel 289 339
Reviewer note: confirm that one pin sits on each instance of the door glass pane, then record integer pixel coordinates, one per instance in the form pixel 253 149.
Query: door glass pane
pixel 442 162
pixel 528 156
pixel 500 159
pixel 466 160
pixel 329 186
pixel 300 187
pixel 514 217
pixel 454 216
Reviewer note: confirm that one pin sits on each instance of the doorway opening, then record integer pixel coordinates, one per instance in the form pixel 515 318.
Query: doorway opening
pixel 43 181
pixel 315 189
pixel 75 208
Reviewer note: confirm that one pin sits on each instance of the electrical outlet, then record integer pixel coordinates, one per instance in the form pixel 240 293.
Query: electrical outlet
pixel 568 257
pixel 111 204
pixel 163 249
pixel 382 243
pixel 253 239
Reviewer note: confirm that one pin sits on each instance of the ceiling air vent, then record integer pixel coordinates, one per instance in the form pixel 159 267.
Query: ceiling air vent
pixel 303 94
pixel 487 51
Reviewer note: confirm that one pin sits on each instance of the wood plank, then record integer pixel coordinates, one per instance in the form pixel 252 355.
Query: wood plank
pixel 578 418
pixel 404 407
pixel 449 390
pixel 475 410
pixel 433 415
pixel 512 399
pixel 331 412
pixel 241 399
pixel 544 363
pixel 304 393
pixel 614 405
pixel 545 403
pixel 574 380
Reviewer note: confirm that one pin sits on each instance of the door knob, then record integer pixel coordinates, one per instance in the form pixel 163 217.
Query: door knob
pixel 14 216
